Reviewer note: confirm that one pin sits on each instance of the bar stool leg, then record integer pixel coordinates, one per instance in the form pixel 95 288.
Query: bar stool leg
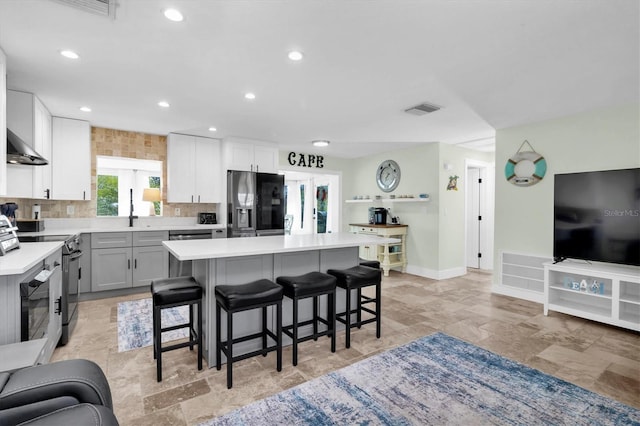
pixel 229 349
pixel 218 338
pixel 348 319
pixel 264 331
pixel 378 309
pixel 295 331
pixel 191 329
pixel 331 318
pixel 154 330
pixel 157 326
pixel 279 335
pixel 359 308
pixel 200 334
pixel 315 318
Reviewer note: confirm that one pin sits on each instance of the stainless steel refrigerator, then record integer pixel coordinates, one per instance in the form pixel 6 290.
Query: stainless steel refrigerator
pixel 255 204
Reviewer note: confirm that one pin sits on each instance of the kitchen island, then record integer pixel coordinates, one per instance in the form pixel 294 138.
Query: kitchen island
pixel 236 261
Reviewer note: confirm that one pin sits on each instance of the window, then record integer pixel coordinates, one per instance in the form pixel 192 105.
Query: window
pixel 107 188
pixel 121 181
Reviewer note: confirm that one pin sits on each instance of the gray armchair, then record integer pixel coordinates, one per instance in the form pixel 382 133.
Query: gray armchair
pixel 74 389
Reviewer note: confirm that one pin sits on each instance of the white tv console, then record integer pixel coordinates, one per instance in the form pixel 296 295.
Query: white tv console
pixel 615 299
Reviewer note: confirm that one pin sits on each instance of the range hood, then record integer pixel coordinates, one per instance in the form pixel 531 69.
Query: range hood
pixel 18 152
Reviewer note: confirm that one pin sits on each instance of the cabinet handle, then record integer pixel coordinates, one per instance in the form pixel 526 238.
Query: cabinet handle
pixel 47 193
pixel 192 198
pixel 79 273
pixel 59 306
pixel 84 195
pixel 128 263
pixel 135 264
pixel 198 198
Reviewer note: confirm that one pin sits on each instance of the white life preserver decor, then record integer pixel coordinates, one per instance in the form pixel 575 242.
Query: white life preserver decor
pixel 525 168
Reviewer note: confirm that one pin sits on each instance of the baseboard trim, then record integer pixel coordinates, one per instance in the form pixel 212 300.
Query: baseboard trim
pixel 436 275
pixel 532 296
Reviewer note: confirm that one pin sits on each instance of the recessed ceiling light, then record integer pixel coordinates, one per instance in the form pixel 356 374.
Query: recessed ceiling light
pixel 250 96
pixel 320 143
pixel 69 54
pixel 163 104
pixel 85 109
pixel 295 55
pixel 212 129
pixel 173 15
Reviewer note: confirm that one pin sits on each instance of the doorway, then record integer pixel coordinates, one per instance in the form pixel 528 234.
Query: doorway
pixel 479 214
pixel 312 202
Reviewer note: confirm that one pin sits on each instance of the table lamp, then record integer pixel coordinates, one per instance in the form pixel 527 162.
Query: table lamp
pixel 152 195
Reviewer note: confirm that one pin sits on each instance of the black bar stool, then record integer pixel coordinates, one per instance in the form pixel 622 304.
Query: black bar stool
pixel 244 297
pixel 370 263
pixel 169 293
pixel 312 284
pixel 357 278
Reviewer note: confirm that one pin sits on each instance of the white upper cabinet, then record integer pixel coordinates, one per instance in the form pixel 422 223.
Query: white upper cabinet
pixel 30 120
pixel 194 173
pixel 42 179
pixel 208 182
pixel 71 159
pixel 247 155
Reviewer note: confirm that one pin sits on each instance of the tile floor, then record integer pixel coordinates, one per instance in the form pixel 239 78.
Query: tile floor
pixel 598 357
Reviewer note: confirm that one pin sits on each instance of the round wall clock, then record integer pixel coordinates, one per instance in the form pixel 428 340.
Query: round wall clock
pixel 388 175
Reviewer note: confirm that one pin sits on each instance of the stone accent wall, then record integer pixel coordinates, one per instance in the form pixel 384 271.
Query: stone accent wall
pixel 117 143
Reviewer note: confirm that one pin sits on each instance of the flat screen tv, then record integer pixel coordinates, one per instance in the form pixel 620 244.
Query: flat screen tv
pixel 597 216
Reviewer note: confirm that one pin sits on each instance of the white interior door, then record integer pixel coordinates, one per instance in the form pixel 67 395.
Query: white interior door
pixel 479 214
pixel 472 218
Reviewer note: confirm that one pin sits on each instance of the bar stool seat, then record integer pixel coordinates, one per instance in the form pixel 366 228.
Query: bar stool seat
pixel 169 293
pixel 312 284
pixel 370 263
pixel 307 285
pixel 357 278
pixel 237 298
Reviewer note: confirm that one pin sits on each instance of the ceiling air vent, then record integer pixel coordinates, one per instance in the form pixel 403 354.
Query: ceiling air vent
pixel 99 7
pixel 422 109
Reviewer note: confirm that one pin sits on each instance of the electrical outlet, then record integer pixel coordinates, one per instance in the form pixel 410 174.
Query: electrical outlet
pixel 176 211
pixel 70 210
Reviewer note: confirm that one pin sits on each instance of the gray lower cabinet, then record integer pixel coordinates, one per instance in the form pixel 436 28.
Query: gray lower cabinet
pixel 127 259
pixel 110 268
pixel 14 353
pixel 54 331
pixel 149 263
pixel 84 285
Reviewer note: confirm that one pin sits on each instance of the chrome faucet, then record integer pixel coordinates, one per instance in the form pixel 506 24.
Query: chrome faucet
pixel 131 216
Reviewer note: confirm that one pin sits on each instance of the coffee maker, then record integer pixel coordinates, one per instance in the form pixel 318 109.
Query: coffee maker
pixel 9 210
pixel 377 216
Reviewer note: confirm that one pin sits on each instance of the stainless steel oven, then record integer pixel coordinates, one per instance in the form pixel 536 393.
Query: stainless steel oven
pixel 71 274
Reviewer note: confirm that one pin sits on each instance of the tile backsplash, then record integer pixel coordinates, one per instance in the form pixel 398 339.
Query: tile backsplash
pixel 119 143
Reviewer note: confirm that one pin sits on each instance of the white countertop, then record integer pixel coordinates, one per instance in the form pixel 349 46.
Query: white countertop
pixel 119 224
pixel 233 247
pixel 71 230
pixel 20 260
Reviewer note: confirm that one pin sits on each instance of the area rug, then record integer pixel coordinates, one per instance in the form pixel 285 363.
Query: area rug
pixel 434 380
pixel 135 323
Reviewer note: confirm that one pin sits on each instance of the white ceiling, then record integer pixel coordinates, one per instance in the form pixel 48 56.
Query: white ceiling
pixel 490 64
